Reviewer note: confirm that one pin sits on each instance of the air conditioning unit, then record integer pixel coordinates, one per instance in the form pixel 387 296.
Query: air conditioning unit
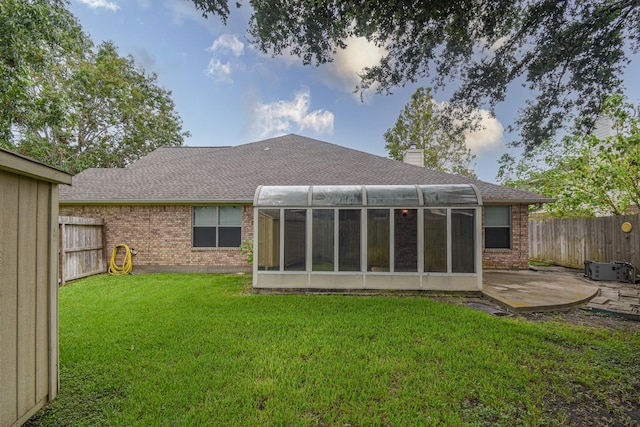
pixel 612 271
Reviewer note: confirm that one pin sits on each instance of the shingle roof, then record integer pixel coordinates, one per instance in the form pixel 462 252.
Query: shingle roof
pixel 232 174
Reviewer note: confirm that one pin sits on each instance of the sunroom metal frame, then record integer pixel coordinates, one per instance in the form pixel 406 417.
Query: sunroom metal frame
pixel 445 199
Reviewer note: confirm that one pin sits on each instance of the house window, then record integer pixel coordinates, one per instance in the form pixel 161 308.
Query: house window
pixel 217 226
pixel 497 227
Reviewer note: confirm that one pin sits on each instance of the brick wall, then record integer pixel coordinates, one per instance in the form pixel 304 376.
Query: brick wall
pixel 161 235
pixel 516 258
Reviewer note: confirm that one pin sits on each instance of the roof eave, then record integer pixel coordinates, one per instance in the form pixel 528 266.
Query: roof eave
pixel 154 202
pixel 251 201
pixel 517 201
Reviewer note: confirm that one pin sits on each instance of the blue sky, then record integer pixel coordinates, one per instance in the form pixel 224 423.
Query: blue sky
pixel 228 93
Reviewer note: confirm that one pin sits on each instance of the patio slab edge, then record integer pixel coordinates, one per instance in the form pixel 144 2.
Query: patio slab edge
pixel 514 306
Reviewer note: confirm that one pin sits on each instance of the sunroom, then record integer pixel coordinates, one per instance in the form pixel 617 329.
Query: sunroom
pixel 346 237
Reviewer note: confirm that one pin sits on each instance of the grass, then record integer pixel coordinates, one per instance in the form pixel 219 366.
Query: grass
pixel 202 350
pixel 536 263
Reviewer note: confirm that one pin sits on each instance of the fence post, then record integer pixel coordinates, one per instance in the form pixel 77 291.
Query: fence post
pixel 63 254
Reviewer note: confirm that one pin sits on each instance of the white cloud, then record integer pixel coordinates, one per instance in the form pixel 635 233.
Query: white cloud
pixel 228 43
pixel 499 43
pixel 348 63
pixel 101 4
pixel 283 117
pixel 342 72
pixel 225 44
pixel 488 136
pixel 219 71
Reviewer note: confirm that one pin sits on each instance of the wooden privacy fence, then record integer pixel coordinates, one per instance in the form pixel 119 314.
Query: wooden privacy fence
pixel 81 248
pixel 570 242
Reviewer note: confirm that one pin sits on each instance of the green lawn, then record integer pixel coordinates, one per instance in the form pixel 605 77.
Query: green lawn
pixel 202 350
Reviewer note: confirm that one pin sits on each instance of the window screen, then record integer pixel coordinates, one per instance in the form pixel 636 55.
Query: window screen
pixel 406 239
pixel 268 239
pixel 435 240
pixel 462 241
pixel 322 238
pixel 295 223
pixel 349 240
pixel 378 239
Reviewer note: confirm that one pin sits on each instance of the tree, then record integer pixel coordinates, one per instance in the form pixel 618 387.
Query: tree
pixel 429 126
pixel 80 106
pixel 569 54
pixel 35 38
pixel 588 176
pixel 115 113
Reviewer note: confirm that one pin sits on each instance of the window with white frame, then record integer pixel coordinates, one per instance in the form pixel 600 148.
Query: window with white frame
pixel 497 227
pixel 217 226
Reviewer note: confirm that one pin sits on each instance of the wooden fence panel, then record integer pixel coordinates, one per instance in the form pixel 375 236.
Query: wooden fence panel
pixel 570 242
pixel 81 248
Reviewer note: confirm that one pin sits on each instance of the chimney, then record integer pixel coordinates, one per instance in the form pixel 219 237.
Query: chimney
pixel 414 156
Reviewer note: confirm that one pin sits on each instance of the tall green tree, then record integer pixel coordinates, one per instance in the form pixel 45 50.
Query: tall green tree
pixel 568 54
pixel 587 175
pixel 114 113
pixel 76 105
pixel 425 124
pixel 38 38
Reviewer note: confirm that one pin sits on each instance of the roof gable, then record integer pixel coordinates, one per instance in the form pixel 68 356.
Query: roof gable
pixel 232 174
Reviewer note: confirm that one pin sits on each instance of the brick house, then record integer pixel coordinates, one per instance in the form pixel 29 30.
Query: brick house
pixel 189 208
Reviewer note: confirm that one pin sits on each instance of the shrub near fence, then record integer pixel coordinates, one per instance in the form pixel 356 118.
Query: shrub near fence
pixel 81 248
pixel 570 242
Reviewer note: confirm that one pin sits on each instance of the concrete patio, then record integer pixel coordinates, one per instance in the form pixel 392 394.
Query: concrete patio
pixel 556 289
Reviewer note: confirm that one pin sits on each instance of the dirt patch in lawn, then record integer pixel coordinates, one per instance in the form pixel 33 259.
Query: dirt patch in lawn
pixel 580 316
pixel 585 317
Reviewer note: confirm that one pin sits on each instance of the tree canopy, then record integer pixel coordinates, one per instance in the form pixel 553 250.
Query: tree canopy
pixel 425 124
pixel 35 39
pixel 567 54
pixel 71 104
pixel 587 175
